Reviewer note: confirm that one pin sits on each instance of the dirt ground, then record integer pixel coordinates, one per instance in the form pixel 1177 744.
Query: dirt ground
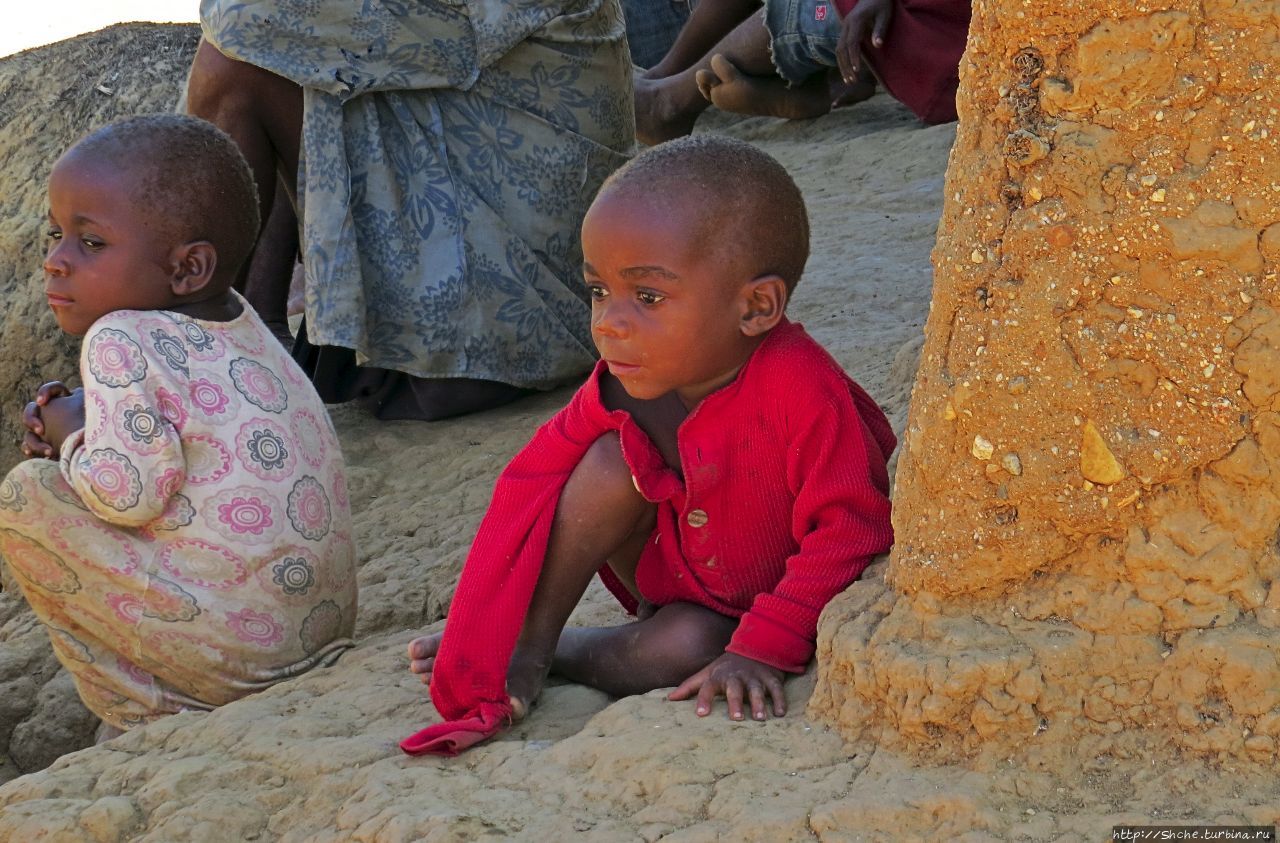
pixel 315 759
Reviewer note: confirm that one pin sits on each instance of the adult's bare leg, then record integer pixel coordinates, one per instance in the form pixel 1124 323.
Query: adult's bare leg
pixel 262 112
pixel 667 108
pixel 710 21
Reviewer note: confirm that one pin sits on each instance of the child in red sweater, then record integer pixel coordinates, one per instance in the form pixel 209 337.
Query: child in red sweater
pixel 718 469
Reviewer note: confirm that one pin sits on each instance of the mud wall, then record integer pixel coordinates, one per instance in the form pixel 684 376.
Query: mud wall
pixel 1088 495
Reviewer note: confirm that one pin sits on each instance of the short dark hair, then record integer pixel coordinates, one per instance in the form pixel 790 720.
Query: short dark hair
pixel 761 215
pixel 192 177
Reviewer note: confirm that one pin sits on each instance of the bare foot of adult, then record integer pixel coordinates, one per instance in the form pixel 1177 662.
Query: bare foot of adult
pixel 660 116
pixel 422 655
pixel 729 89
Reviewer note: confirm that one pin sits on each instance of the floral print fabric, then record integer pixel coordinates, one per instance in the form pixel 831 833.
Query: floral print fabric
pixel 194 544
pixel 449 151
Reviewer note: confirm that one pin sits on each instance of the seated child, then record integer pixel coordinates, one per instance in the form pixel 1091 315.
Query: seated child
pixel 801 58
pixel 184 531
pixel 718 469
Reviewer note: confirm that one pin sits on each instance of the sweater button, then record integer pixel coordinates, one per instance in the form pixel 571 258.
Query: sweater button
pixel 697 518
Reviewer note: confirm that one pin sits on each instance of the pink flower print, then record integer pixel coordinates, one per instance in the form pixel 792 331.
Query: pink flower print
pixel 203 564
pixel 96 416
pixel 208 460
pixel 208 397
pixel 265 449
pixel 114 359
pixel 136 675
pixel 308 508
pixel 128 607
pixel 172 647
pixel 309 434
pixel 168 601
pixel 258 384
pixel 178 513
pixel 170 406
pixel 84 542
pixel 169 482
pixel 113 479
pixel 171 349
pixel 245 514
pixel 340 496
pixel 140 428
pixel 36 565
pixel 255 628
pixel 200 342
pixel 11 497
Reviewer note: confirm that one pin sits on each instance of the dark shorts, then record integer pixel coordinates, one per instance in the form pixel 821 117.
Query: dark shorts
pixel 803 36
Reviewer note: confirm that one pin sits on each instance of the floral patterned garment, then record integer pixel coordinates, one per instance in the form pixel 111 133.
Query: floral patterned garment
pixel 449 151
pixel 194 545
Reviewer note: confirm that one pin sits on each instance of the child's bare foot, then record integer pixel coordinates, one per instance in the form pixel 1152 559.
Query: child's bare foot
pixel 659 115
pixel 729 89
pixel 524 678
pixel 422 655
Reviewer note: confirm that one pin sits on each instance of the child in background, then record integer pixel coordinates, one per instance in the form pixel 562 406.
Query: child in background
pixel 183 531
pixel 719 470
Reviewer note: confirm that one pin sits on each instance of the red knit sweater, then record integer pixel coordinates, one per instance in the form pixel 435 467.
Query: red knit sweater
pixel 783 503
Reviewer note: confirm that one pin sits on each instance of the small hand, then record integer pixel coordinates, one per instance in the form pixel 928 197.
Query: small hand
pixel 60 417
pixel 738 678
pixel 871 16
pixel 34 442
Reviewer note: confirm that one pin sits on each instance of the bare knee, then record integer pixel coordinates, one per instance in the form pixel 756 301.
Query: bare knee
pixel 693 635
pixel 604 476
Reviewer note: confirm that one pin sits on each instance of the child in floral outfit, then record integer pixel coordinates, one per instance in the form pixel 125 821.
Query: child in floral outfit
pixel 183 530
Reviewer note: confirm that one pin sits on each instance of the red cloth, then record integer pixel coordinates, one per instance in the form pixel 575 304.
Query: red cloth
pixel 784 502
pixel 919 63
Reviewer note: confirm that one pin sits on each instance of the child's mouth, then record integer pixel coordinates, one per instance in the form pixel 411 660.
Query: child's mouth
pixel 56 300
pixel 617 368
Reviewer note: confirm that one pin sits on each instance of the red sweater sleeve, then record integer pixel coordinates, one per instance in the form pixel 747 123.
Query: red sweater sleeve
pixel 836 462
pixel 469 681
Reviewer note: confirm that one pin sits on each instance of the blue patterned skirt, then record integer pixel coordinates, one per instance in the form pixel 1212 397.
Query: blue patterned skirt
pixel 449 150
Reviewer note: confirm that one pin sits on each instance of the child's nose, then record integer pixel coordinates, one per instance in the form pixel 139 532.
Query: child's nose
pixel 608 321
pixel 54 261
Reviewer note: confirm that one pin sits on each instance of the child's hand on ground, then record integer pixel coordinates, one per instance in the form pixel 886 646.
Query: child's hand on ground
pixel 738 678
pixel 54 414
pixel 870 18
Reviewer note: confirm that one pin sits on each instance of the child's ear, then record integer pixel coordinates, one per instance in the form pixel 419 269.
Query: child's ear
pixel 194 264
pixel 765 301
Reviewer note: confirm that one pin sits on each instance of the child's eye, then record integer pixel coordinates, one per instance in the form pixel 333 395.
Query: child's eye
pixel 649 297
pixel 54 234
pixel 92 242
pixel 596 291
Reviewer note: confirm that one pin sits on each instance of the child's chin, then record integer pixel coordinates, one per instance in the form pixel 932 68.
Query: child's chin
pixel 642 391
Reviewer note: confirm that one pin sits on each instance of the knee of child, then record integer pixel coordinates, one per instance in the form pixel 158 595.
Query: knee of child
pixel 604 471
pixel 695 634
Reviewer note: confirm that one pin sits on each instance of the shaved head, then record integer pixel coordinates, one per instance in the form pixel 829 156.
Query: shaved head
pixel 188 175
pixel 748 209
